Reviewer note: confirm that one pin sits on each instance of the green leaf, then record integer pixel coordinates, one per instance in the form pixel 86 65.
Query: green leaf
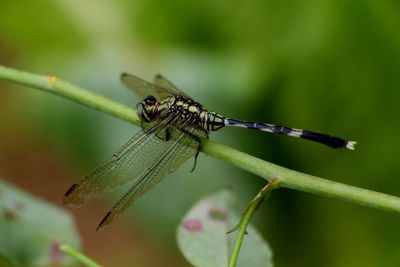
pixel 32 229
pixel 204 242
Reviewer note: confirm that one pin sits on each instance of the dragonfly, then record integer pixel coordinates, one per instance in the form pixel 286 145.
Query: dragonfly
pixel 173 129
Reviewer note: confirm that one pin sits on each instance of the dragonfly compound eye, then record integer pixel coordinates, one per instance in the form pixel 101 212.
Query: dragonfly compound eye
pixel 149 100
pixel 146 109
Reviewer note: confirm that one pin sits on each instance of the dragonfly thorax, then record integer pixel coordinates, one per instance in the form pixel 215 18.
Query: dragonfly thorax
pixel 187 110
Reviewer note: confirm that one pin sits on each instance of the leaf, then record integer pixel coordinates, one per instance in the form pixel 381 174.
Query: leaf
pixel 203 240
pixel 32 229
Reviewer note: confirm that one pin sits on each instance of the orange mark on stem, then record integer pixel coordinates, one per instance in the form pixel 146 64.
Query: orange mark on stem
pixel 52 80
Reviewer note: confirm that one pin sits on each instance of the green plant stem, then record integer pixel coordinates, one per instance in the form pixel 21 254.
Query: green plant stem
pixel 288 178
pixel 303 182
pixel 246 217
pixel 54 85
pixel 67 249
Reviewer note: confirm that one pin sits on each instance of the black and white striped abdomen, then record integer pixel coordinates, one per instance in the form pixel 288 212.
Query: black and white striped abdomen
pixel 329 140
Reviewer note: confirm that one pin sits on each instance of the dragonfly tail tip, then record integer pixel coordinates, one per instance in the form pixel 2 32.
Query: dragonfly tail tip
pixel 351 145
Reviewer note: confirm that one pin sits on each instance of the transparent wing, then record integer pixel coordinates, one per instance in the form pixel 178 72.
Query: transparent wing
pixel 183 146
pixel 143 88
pixel 125 164
pixel 160 81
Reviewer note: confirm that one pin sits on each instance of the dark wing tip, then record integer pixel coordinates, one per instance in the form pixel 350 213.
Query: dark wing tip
pixel 158 76
pixel 71 197
pixel 106 220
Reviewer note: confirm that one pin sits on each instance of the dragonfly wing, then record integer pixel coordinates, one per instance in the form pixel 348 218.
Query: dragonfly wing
pixel 160 81
pixel 182 147
pixel 128 162
pixel 143 88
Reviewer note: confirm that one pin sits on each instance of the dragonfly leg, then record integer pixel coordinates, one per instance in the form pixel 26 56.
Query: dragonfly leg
pixel 195 158
pixel 164 135
pixel 198 141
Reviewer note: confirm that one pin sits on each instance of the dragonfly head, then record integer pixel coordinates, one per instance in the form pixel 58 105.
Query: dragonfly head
pixel 147 109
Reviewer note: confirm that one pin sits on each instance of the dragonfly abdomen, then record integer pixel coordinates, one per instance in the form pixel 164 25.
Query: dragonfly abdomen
pixel 211 121
pixel 332 141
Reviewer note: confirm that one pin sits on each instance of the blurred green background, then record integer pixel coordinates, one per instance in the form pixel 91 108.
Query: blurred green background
pixel 330 66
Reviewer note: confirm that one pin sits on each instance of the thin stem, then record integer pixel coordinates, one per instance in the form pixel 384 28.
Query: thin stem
pixel 54 85
pixel 303 182
pixel 67 249
pixel 246 217
pixel 288 178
